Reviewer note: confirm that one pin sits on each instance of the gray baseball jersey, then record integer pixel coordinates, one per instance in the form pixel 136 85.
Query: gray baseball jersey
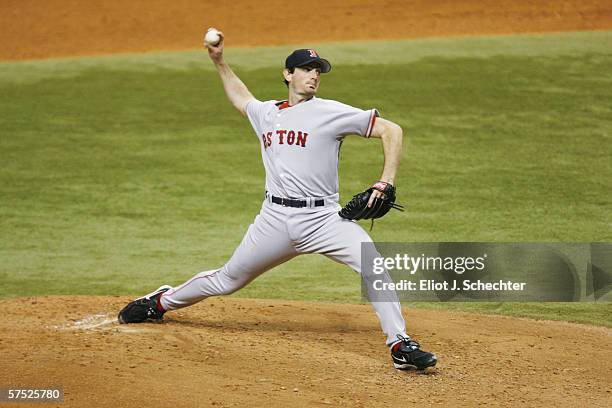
pixel 300 147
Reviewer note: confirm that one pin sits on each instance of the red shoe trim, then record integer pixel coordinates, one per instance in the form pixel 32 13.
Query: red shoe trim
pixel 160 308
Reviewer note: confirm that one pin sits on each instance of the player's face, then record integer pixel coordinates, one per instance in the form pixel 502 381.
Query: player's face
pixel 305 80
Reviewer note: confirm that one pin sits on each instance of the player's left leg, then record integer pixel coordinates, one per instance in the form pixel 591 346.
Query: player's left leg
pixel 339 239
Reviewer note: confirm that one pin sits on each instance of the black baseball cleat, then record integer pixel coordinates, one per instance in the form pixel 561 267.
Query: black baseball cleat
pixel 144 308
pixel 407 354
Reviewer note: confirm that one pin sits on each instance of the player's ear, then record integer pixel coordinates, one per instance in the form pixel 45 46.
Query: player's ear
pixel 287 74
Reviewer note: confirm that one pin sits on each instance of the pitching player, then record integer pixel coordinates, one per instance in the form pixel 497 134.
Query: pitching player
pixel 300 139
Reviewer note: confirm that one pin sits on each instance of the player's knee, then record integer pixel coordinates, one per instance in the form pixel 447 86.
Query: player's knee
pixel 231 281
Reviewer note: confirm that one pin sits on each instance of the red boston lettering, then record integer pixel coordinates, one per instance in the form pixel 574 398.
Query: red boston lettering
pixel 269 138
pixel 301 139
pixel 291 137
pixel 266 139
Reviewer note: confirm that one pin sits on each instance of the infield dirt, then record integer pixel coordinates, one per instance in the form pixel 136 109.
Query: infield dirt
pixel 251 353
pixel 54 28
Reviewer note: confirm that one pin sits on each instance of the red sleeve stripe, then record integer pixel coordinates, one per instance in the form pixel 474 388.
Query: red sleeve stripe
pixel 371 123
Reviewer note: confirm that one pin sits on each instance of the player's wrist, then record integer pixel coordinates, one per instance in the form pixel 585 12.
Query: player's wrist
pixel 386 181
pixel 218 61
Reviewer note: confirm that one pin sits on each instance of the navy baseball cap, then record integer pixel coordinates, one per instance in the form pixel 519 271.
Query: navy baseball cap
pixel 299 58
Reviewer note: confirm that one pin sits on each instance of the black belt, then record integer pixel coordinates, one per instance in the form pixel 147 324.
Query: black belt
pixel 287 202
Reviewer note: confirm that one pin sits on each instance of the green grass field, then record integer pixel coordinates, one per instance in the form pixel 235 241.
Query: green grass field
pixel 123 172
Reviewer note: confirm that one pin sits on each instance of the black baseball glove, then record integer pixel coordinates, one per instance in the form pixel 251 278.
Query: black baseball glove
pixel 357 208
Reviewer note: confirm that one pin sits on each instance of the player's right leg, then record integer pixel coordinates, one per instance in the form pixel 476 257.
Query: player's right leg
pixel 265 245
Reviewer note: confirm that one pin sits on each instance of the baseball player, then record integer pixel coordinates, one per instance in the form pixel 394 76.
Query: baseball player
pixel 300 139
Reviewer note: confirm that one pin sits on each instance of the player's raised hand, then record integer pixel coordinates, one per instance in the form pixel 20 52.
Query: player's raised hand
pixel 215 49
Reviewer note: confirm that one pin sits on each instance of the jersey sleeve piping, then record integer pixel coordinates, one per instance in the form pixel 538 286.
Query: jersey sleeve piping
pixel 373 115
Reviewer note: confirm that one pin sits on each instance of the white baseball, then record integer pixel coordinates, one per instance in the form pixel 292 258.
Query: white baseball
pixel 212 37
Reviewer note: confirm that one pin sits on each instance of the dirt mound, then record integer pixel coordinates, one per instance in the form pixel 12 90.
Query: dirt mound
pixel 251 353
pixel 52 28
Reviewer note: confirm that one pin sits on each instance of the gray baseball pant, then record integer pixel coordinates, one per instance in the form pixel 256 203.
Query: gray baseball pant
pixel 278 234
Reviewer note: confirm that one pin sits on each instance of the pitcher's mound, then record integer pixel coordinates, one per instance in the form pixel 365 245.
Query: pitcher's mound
pixel 253 353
